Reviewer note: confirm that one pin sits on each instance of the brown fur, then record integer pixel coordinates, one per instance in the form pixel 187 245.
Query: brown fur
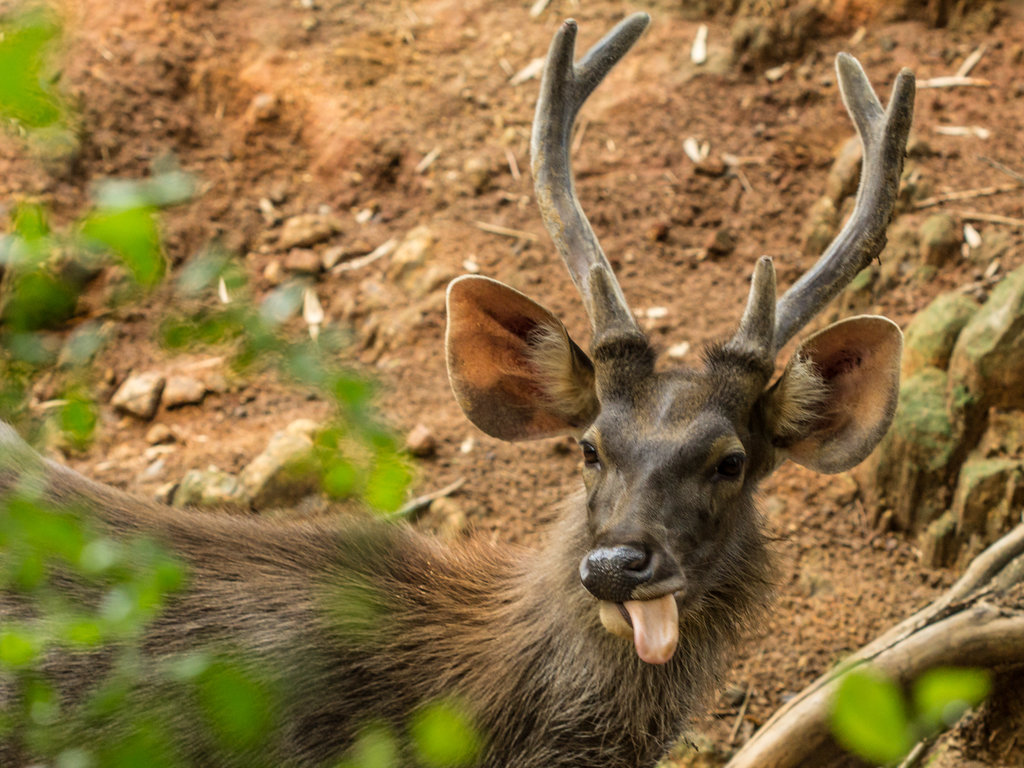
pixel 510 632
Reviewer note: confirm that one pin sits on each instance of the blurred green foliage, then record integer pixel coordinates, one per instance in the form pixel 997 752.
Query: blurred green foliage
pixel 872 718
pixel 27 92
pixel 71 594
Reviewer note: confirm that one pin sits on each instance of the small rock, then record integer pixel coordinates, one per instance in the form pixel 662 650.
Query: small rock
pixel 208 487
pixel 159 434
pixel 479 173
pixel 303 427
pixel 283 473
pixel 273 273
pixel 302 261
pixel 139 395
pixel 217 383
pixel 165 493
pixel 711 166
pixel 183 390
pixel 940 240
pixel 411 254
pixel 265 107
pixel 153 471
pixel 307 229
pixel 451 517
pixel 430 279
pixel 420 442
pixel 721 243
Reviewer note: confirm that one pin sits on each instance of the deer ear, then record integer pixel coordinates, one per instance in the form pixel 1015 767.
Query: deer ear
pixel 513 368
pixel 838 394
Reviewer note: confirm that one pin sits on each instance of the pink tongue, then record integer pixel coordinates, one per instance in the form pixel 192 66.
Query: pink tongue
pixel 655 628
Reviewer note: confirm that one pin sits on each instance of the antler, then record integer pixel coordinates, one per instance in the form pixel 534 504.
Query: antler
pixel 563 90
pixel 883 133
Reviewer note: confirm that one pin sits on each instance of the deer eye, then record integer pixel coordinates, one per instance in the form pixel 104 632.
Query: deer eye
pixel 590 457
pixel 731 466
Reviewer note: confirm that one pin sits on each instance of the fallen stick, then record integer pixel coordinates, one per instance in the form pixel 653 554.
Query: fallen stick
pixel 497 229
pixel 971 61
pixel 966 194
pixel 1003 168
pixel 966 626
pixel 953 81
pixel 415 507
pixel 990 218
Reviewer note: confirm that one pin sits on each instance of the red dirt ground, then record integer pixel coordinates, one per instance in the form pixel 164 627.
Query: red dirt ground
pixel 332 105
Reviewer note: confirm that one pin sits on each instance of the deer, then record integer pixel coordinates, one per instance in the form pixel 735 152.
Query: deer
pixel 598 645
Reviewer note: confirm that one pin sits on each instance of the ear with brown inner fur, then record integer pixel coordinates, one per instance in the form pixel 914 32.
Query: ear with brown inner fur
pixel 513 368
pixel 838 395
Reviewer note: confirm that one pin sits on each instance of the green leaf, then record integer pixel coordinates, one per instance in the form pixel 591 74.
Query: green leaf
pixel 443 736
pixel 31 222
pixel 869 717
pixel 942 695
pixel 340 479
pixel 149 745
pixel 376 747
pixel 26 93
pixel 78 420
pixel 38 299
pixel 387 482
pixel 132 235
pixel 18 648
pixel 236 705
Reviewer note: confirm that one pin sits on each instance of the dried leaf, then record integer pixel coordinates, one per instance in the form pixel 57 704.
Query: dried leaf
pixel 699 50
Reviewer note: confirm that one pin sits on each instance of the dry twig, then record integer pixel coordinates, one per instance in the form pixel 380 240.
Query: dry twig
pixel 414 508
pixel 971 624
pixel 966 194
pixel 990 218
pixel 971 61
pixel 1003 169
pixel 497 229
pixel 954 81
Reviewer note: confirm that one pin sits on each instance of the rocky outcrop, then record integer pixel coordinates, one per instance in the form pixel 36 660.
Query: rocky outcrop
pixel 951 468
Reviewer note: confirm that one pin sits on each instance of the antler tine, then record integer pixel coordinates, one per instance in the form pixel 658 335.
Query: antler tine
pixel 883 134
pixel 564 88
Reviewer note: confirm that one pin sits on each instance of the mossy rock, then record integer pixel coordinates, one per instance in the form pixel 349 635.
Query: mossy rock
pixel 985 369
pixel 930 337
pixel 984 492
pixel 940 240
pixel 911 470
pixel 939 543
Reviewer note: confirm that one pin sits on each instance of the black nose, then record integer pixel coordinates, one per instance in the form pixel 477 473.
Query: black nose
pixel 612 573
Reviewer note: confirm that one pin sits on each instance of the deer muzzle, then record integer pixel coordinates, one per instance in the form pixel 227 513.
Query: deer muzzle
pixel 615 575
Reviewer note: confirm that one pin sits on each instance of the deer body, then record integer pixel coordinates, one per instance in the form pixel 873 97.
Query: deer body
pixel 509 631
pixel 596 647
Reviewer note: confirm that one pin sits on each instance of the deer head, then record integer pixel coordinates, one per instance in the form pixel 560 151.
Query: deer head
pixel 672 457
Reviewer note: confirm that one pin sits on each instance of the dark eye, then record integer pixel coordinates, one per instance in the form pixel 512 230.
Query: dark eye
pixel 590 457
pixel 731 466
